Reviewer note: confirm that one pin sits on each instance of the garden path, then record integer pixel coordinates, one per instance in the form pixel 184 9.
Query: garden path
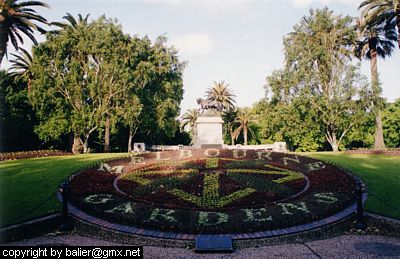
pixel 345 246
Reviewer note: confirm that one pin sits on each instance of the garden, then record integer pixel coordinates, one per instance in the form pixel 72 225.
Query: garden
pixel 76 106
pixel 378 172
pixel 213 191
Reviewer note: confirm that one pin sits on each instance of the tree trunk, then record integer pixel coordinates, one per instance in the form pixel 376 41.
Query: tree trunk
pixel 334 144
pixel 3 42
pixel 29 85
pixel 232 139
pixel 86 146
pixel 245 135
pixel 374 71
pixel 194 137
pixel 77 145
pixel 107 135
pixel 130 141
pixel 379 141
pixel 331 137
pixel 71 140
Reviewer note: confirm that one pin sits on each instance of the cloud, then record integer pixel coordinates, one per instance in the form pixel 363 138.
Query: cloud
pixel 194 44
pixel 308 3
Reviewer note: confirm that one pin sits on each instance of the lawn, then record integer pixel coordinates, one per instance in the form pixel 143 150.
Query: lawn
pixel 28 183
pixel 380 173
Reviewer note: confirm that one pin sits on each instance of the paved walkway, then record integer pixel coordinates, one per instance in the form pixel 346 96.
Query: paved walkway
pixel 346 246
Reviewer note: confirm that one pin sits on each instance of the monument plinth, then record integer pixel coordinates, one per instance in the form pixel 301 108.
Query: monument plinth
pixel 209 132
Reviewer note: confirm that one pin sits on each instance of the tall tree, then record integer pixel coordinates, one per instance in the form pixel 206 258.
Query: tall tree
pixel 110 70
pixel 158 77
pixel 130 110
pixel 71 22
pixel 244 119
pixel 17 118
pixel 65 36
pixel 189 119
pixel 85 73
pixel 375 41
pixel 68 86
pixel 230 123
pixel 383 12
pixel 18 17
pixel 318 62
pixel 21 67
pixel 293 122
pixel 221 93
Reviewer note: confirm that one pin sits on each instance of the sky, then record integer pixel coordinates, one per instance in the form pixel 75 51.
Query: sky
pixel 237 41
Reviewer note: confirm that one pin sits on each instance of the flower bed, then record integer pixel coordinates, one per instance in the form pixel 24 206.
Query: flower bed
pixel 31 154
pixel 213 191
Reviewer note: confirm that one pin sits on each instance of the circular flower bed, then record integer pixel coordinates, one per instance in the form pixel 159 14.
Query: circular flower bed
pixel 213 191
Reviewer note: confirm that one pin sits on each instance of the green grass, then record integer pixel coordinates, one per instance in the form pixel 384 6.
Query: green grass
pixel 380 173
pixel 26 183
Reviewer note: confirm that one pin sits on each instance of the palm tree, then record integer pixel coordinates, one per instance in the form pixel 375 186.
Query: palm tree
pixel 221 93
pixel 189 119
pixel 244 119
pixel 374 41
pixel 21 66
pixel 384 12
pixel 71 22
pixel 229 116
pixel 15 18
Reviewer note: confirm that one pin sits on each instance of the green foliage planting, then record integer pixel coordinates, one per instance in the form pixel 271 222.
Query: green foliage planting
pixel 254 182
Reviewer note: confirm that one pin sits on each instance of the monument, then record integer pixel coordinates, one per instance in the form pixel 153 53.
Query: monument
pixel 209 125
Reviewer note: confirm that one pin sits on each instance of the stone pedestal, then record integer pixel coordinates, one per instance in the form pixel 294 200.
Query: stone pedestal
pixel 209 132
